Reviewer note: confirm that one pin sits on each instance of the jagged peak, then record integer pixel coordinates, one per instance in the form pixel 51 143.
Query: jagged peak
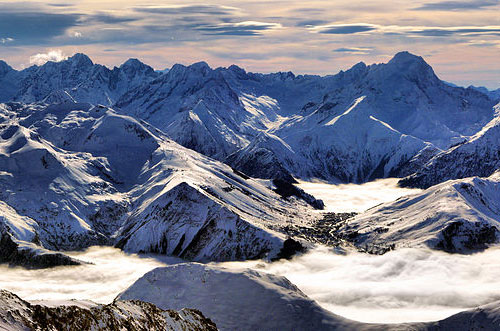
pixel 405 57
pixel 200 66
pixel 411 65
pixel 80 59
pixel 4 68
pixel 236 69
pixel 358 67
pixel 133 63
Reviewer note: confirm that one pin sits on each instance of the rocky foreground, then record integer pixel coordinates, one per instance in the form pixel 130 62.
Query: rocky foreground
pixel 17 314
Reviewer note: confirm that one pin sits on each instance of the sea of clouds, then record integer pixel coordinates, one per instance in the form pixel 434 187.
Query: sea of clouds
pixel 343 198
pixel 413 284
pixel 405 285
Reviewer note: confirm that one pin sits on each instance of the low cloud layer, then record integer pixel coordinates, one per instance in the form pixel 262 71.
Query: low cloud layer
pixel 354 197
pixel 401 286
pixel 112 271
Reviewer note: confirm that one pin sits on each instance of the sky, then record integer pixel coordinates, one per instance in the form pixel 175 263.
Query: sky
pixel 460 39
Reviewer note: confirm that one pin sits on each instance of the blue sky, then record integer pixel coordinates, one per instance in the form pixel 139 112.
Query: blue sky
pixel 460 39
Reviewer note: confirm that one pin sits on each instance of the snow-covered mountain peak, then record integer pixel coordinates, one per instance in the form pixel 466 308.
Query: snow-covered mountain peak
pixel 201 67
pixel 196 69
pixel 80 60
pixel 133 66
pixel 237 70
pixel 411 67
pixel 4 68
pixel 132 63
pixel 406 57
pixel 358 67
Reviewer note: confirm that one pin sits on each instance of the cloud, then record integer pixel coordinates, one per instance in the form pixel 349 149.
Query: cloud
pixel 447 31
pixel 356 197
pixel 458 5
pixel 35 28
pixel 484 43
pixel 112 272
pixel 62 5
pixel 106 18
pixel 344 28
pixel 404 285
pixel 424 31
pixel 188 9
pixel 310 23
pixel 248 28
pixel 6 40
pixel 41 58
pixel 354 50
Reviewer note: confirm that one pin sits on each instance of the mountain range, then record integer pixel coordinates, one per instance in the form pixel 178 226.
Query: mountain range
pixel 202 163
pixel 135 158
pixel 365 123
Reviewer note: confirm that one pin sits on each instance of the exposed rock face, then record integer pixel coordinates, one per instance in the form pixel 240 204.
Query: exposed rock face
pixel 31 257
pixel 17 314
pixel 286 190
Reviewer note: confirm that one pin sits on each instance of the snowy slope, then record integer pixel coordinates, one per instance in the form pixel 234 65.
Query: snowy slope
pixel 74 175
pixel 479 155
pixel 352 146
pixel 235 299
pixel 456 216
pixel 17 314
pixel 368 124
pixel 286 123
pixel 245 299
pixel 78 76
pixel 197 108
pixel 486 317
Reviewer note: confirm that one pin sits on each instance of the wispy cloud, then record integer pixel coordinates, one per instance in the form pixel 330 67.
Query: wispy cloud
pixel 427 31
pixel 458 5
pixel 344 28
pixel 188 9
pixel 249 28
pixel 354 50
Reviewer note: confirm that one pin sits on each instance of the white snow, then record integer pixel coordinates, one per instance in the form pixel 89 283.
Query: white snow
pixel 86 175
pixel 457 215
